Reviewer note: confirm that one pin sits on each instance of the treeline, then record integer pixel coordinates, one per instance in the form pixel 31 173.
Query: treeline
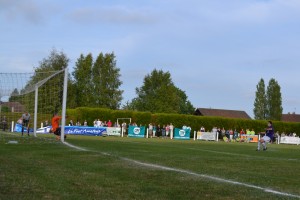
pixel 95 82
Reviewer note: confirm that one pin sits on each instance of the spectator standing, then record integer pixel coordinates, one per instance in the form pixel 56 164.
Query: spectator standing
pixel 25 122
pixel 242 132
pixel 219 133
pixel 163 131
pixel 202 129
pixel 227 134
pixel 171 130
pixel 154 130
pixel 230 134
pixel 45 124
pixel 235 134
pixel 223 132
pixel 248 132
pixel 4 123
pixel 71 123
pixel 109 123
pixel 150 130
pixel 98 123
pixel 85 123
pixel 214 130
pixel 158 130
pixel 167 130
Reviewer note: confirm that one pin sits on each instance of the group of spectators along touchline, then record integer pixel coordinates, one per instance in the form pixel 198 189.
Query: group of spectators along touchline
pixel 159 130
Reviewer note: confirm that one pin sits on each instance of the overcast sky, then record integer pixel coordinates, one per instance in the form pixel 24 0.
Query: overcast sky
pixel 216 50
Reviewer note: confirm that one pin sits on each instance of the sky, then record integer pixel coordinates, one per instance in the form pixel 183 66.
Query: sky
pixel 215 50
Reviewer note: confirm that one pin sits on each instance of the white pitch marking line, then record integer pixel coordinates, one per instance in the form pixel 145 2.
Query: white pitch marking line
pixel 74 147
pixel 211 177
pixel 193 174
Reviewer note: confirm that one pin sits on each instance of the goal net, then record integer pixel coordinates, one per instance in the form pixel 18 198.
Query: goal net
pixel 40 94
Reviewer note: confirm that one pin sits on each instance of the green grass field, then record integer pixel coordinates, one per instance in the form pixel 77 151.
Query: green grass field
pixel 130 168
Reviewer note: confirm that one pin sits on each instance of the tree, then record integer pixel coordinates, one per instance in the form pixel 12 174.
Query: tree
pixel 274 101
pixel 5 108
pixel 56 61
pixel 186 106
pixel 260 103
pixel 106 80
pixel 14 95
pixel 83 85
pixel 159 94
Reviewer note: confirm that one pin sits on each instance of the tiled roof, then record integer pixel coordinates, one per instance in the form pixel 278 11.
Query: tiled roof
pixel 290 117
pixel 222 113
pixel 17 107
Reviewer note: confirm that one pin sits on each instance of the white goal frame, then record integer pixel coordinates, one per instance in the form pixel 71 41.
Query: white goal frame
pixel 123 118
pixel 64 101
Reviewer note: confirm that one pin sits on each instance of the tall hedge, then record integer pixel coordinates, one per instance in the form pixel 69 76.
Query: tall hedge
pixel 178 120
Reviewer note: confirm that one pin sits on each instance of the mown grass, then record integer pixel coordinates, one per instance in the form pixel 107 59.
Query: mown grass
pixel 42 168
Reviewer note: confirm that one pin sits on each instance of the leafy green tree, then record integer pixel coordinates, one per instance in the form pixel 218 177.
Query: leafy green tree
pixel 71 96
pixel 186 106
pixel 53 87
pixel 274 101
pixel 56 61
pixel 260 103
pixel 129 105
pixel 83 85
pixel 4 108
pixel 106 80
pixel 14 95
pixel 159 94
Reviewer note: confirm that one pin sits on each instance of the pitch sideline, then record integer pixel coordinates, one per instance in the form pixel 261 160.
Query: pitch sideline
pixel 217 179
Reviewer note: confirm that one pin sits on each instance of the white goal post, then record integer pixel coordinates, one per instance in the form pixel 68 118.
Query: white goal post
pixel 123 119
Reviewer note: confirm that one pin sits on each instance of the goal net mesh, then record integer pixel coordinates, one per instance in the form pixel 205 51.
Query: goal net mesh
pixel 38 93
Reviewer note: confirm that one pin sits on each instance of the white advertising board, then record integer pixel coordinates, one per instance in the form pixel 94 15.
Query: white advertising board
pixel 206 136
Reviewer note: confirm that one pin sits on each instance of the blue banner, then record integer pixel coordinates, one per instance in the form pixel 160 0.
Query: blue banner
pixel 135 131
pixel 73 130
pixel 18 128
pixel 85 130
pixel 182 134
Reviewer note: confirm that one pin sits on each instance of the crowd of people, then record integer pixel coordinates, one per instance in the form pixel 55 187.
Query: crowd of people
pixel 268 136
pixel 160 130
pixel 99 123
pixel 165 130
pixel 230 134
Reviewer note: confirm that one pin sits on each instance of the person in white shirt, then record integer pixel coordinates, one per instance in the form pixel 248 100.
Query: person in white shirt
pixel 171 130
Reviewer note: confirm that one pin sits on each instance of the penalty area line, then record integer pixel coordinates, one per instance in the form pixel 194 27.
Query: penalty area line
pixel 217 179
pixel 214 178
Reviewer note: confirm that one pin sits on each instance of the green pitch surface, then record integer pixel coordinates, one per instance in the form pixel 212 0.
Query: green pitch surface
pixel 90 167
